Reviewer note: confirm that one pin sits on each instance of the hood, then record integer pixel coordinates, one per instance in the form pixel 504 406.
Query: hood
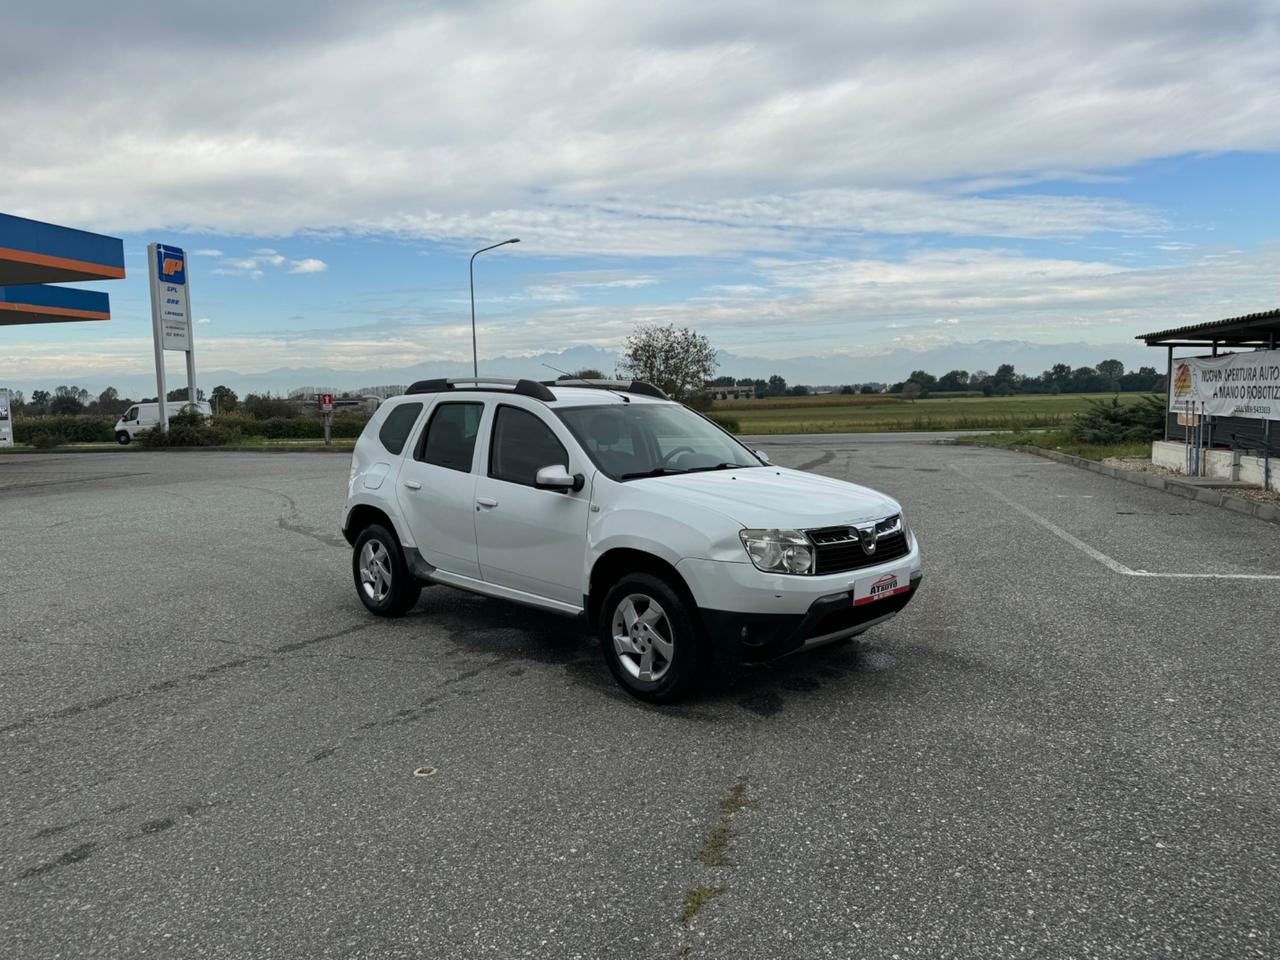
pixel 776 497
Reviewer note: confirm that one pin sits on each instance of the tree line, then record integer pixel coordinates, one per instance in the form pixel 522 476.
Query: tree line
pixel 1109 376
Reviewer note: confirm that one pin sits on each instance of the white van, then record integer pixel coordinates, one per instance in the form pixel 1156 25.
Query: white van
pixel 144 416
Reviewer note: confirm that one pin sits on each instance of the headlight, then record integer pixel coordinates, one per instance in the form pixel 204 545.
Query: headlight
pixel 779 551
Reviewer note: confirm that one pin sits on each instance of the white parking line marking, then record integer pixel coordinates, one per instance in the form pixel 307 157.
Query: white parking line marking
pixel 1102 558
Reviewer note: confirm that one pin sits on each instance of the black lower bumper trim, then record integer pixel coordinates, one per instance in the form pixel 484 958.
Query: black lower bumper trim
pixel 753 637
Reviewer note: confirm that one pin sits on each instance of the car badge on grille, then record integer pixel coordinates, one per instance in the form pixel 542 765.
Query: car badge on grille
pixel 866 534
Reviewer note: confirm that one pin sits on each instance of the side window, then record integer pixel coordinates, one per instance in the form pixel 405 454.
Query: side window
pixel 522 445
pixel 131 414
pixel 395 429
pixel 450 437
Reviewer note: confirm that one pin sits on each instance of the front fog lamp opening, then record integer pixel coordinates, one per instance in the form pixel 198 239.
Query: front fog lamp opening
pixel 779 551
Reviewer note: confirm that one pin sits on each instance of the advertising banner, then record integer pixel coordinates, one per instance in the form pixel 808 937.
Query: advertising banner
pixel 170 302
pixel 1237 385
pixel 6 423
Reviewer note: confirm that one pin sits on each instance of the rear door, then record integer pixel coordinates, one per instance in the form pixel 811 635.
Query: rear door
pixel 529 539
pixel 437 486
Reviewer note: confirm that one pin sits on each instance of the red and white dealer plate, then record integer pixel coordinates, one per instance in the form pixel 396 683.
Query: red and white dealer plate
pixel 881 586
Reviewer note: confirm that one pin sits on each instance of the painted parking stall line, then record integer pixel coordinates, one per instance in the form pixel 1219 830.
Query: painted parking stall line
pixel 1109 562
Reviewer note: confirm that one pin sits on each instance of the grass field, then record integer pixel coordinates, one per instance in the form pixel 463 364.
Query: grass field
pixel 881 413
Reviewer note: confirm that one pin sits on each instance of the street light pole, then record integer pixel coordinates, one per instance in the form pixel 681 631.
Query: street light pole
pixel 471 269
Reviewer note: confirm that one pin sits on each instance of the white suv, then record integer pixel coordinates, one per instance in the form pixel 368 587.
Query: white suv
pixel 608 501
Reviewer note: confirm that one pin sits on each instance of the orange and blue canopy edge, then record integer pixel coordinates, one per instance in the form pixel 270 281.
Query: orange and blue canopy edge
pixel 33 254
pixel 38 303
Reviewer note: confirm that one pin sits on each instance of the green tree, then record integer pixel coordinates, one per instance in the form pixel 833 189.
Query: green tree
pixel 679 362
pixel 777 386
pixel 954 380
pixel 1111 369
pixel 224 399
pixel 180 393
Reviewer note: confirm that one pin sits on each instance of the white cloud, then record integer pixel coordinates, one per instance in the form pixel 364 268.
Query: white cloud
pixel 307 265
pixel 204 320
pixel 740 123
pixel 208 252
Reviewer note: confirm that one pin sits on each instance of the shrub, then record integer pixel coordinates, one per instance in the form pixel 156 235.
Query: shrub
pixel 700 401
pixel 728 423
pixel 47 441
pixel 72 429
pixel 188 430
pixel 1110 421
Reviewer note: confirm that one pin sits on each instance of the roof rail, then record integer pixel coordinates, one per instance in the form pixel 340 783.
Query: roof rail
pixel 524 388
pixel 640 387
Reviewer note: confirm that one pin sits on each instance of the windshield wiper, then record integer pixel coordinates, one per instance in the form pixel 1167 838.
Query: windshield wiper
pixel 655 472
pixel 718 466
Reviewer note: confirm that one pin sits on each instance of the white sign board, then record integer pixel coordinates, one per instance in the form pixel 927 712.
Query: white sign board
pixel 6 423
pixel 171 316
pixel 1236 385
pixel 170 302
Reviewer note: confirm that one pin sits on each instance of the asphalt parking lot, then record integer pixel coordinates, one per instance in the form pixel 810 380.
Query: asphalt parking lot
pixel 1064 748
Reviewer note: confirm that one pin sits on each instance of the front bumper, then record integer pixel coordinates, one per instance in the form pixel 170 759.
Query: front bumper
pixel 753 637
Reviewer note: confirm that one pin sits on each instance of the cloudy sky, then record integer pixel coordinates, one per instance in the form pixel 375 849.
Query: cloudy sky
pixel 793 179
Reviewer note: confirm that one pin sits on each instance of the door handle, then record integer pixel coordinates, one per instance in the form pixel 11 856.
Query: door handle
pixel 486 502
pixel 413 484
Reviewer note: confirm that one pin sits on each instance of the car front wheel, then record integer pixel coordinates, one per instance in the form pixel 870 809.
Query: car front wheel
pixel 651 638
pixel 123 438
pixel 383 581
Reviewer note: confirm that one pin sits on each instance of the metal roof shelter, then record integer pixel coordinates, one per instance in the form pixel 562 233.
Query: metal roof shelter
pixel 33 254
pixel 1253 331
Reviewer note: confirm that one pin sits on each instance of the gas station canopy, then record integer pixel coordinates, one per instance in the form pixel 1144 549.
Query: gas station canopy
pixel 33 254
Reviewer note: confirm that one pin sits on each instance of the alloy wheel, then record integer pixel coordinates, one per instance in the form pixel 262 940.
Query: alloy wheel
pixel 375 571
pixel 642 637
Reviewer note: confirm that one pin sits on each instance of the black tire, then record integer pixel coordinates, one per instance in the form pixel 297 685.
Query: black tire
pixel 123 438
pixel 385 560
pixel 675 622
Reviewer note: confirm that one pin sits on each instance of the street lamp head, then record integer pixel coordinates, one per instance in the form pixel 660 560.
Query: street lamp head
pixel 514 240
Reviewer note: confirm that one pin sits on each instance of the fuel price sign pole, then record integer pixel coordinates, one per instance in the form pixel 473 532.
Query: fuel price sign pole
pixel 171 317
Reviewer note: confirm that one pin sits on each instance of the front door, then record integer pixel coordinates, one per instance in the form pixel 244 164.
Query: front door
pixel 530 540
pixel 437 488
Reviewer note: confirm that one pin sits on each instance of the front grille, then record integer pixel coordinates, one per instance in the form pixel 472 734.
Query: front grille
pixel 838 548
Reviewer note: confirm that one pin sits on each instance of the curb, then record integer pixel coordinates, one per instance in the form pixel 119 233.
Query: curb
pixel 1262 511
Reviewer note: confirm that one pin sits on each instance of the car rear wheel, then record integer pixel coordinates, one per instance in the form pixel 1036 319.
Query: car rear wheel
pixel 383 581
pixel 652 640
pixel 123 438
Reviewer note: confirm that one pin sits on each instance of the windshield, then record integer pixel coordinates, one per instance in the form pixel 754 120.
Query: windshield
pixel 632 440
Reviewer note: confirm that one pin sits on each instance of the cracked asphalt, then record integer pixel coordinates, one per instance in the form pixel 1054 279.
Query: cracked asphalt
pixel 207 746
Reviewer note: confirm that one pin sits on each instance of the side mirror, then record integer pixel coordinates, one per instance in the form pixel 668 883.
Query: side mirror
pixel 764 457
pixel 556 477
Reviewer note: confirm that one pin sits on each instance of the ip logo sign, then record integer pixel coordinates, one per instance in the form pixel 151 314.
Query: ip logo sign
pixel 171 264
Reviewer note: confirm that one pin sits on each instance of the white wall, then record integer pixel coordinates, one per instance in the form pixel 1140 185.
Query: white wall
pixel 1217 463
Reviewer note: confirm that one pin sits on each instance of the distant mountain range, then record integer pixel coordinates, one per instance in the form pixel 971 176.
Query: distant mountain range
pixel 836 368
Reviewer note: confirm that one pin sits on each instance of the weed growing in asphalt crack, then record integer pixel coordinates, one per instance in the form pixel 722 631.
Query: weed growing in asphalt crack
pixel 696 899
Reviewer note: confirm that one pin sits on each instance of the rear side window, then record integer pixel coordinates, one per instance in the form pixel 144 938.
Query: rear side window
pixel 450 437
pixel 395 429
pixel 523 445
